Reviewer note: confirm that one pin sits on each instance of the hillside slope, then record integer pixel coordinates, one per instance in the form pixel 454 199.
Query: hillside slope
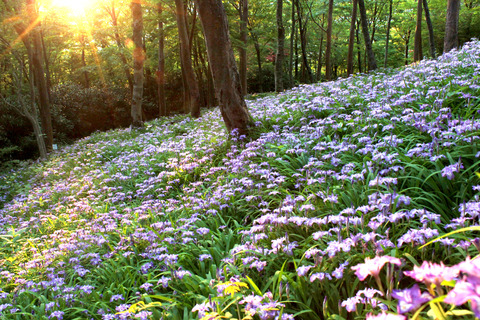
pixel 178 217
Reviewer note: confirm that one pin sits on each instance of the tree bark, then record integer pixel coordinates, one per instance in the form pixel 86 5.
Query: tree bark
pixel 190 80
pixel 351 39
pixel 259 60
pixel 280 48
pixel 138 59
pixel 451 25
pixel 372 63
pixel 431 39
pixel 222 63
pixel 303 42
pixel 243 8
pixel 39 74
pixel 320 59
pixel 387 40
pixel 292 37
pixel 407 41
pixel 417 48
pixel 328 51
pixel 162 105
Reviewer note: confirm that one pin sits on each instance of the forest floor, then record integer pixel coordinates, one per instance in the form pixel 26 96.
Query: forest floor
pixel 179 220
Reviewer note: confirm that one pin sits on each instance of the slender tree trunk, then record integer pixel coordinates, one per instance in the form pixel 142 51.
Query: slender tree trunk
pixel 407 41
pixel 138 59
pixel 292 36
pixel 113 15
pixel 39 74
pixel 431 39
pixel 372 63
pixel 351 39
pixel 320 59
pixel 259 60
pixel 190 80
pixel 162 105
pixel 222 62
pixel 303 42
pixel 359 50
pixel 243 6
pixel 85 72
pixel 328 51
pixel 417 48
pixel 387 40
pixel 280 48
pixel 47 66
pixel 451 25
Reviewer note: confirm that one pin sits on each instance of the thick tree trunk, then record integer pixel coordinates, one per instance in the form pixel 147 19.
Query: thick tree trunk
pixel 162 105
pixel 328 51
pixel 351 39
pixel 243 6
pixel 451 25
pixel 280 48
pixel 417 48
pixel 138 59
pixel 222 62
pixel 372 63
pixel 431 39
pixel 190 80
pixel 387 40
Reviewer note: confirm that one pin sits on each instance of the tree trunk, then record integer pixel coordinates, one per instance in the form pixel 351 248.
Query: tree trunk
pixel 328 51
pixel 259 60
pixel 222 63
pixel 303 42
pixel 351 39
pixel 190 80
pixel 451 25
pixel 320 59
pixel 138 59
pixel 292 36
pixel 387 40
pixel 40 80
pixel 280 48
pixel 113 15
pixel 372 63
pixel 417 48
pixel 243 7
pixel 359 51
pixel 162 105
pixel 431 39
pixel 407 41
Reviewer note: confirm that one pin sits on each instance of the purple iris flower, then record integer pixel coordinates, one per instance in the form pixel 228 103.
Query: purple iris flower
pixel 372 267
pixel 410 299
pixel 385 316
pixel 435 273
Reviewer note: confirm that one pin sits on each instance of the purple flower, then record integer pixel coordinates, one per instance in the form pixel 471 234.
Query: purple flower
pixel 429 273
pixel 116 297
pixel 410 299
pixel 303 270
pixel 449 171
pixel 385 316
pixel 372 267
pixel 464 291
pixel 58 315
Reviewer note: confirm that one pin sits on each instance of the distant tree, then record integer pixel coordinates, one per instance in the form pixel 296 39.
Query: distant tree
pixel 243 13
pixel 372 62
pixel 280 48
pixel 162 105
pixel 387 38
pixel 351 38
pixel 328 51
pixel 190 80
pixel 431 38
pixel 451 25
pixel 222 62
pixel 138 59
pixel 417 48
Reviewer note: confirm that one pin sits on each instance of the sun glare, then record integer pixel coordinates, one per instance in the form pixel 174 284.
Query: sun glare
pixel 76 7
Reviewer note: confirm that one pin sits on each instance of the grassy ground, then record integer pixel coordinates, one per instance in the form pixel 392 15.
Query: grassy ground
pixel 177 220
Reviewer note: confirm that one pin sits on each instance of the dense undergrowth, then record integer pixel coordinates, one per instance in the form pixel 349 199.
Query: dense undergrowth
pixel 177 220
